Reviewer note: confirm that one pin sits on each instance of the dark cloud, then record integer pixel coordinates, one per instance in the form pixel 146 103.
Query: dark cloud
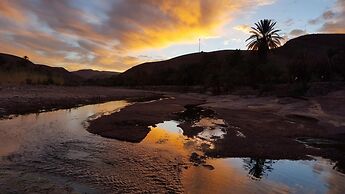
pixel 297 32
pixel 328 15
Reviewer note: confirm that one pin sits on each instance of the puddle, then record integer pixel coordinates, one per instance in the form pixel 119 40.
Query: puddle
pixel 171 136
pixel 245 175
pixel 240 175
pixel 166 135
pixel 212 128
pixel 170 126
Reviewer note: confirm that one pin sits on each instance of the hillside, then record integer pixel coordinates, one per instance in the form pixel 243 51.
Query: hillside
pixel 307 58
pixel 16 70
pixel 94 74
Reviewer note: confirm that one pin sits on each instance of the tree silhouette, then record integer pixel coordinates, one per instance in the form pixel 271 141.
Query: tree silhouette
pixel 26 57
pixel 264 37
pixel 257 168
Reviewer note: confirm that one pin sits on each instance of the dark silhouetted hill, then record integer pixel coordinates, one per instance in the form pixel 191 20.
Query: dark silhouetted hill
pixel 97 78
pixel 94 74
pixel 318 57
pixel 16 70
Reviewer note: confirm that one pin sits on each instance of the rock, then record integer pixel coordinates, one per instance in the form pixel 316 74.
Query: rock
pixel 210 167
pixel 197 159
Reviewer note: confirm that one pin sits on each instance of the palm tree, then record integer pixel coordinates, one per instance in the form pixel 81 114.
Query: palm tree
pixel 264 37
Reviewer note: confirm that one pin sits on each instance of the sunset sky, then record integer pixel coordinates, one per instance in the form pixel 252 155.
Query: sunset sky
pixel 117 34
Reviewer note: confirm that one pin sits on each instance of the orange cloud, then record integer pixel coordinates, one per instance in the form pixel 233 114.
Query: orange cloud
pixel 105 34
pixel 333 20
pixel 11 10
pixel 182 21
pixel 243 28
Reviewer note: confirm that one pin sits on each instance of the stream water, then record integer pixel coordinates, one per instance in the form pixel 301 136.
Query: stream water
pixel 52 152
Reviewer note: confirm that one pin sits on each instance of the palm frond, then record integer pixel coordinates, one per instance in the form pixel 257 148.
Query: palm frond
pixel 263 35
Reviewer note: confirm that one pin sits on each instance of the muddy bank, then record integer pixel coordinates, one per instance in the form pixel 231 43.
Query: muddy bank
pixel 264 135
pixel 132 123
pixel 30 99
pixel 282 128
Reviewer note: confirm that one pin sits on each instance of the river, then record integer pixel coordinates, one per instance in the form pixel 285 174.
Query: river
pixel 52 152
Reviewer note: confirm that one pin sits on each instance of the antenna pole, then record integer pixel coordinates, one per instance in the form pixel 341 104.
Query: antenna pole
pixel 199 45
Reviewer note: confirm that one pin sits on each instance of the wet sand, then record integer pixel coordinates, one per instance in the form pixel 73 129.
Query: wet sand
pixel 15 100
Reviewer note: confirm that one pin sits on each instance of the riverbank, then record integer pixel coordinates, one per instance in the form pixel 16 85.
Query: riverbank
pixel 16 99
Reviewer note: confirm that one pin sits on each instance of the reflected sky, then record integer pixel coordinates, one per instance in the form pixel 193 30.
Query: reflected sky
pixel 229 176
pixel 38 129
pixel 245 175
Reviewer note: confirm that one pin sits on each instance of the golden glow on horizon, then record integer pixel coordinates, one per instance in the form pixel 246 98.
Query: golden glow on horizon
pixel 186 21
pixel 114 37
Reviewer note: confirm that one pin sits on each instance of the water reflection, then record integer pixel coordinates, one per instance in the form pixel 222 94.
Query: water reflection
pixel 229 176
pixel 168 135
pixel 257 168
pixel 213 128
pixel 52 152
pixel 40 128
pixel 242 175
